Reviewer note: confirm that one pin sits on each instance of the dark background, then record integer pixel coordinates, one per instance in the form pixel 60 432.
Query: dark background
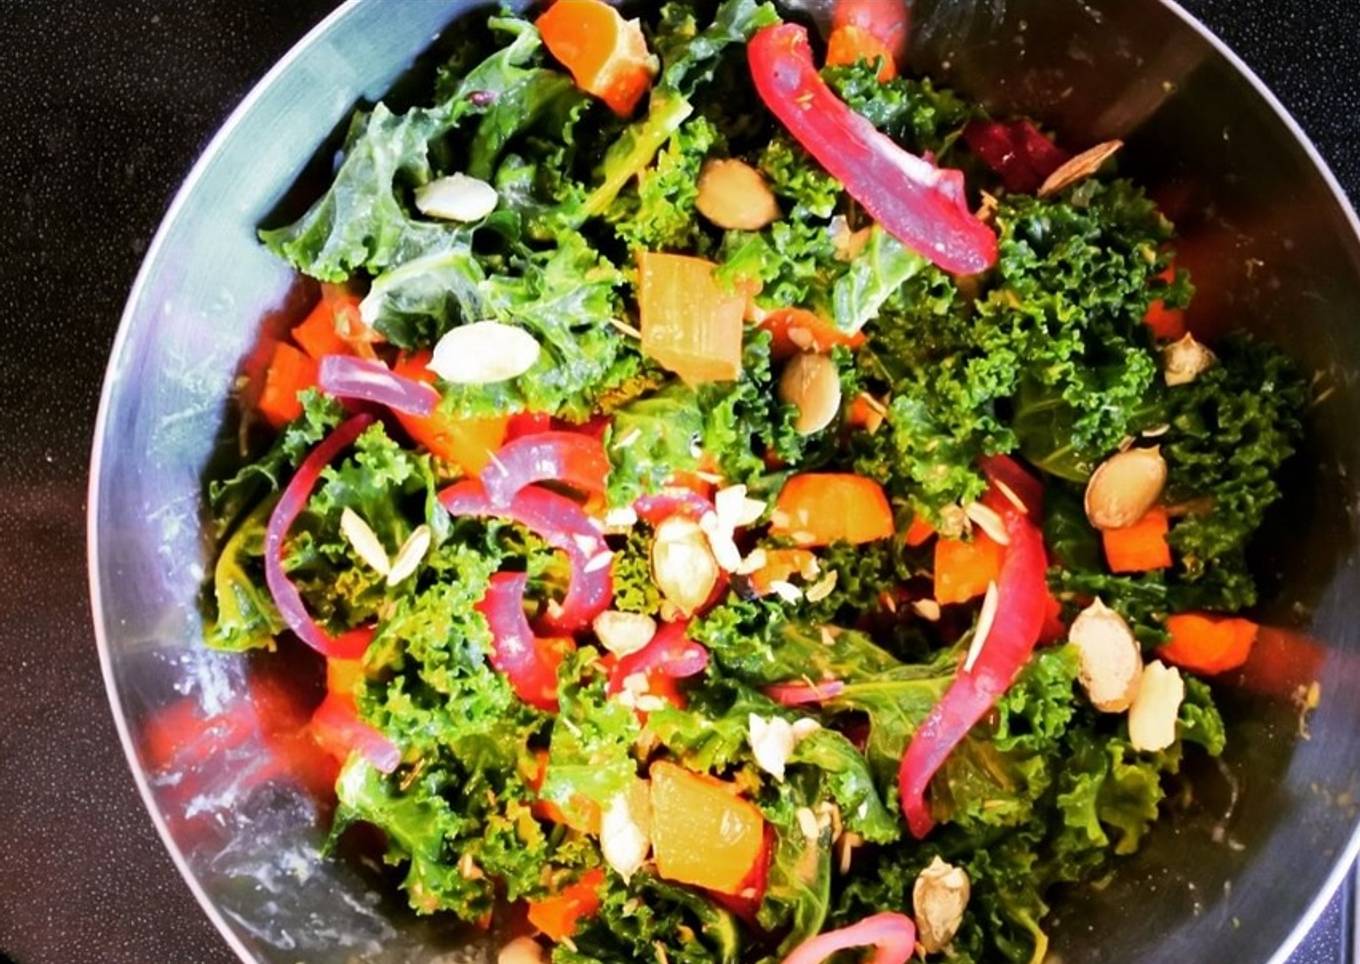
pixel 104 105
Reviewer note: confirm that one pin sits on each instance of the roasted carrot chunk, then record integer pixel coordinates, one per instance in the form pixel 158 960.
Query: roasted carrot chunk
pixel 606 55
pixel 1140 547
pixel 797 330
pixel 819 508
pixel 1208 644
pixel 964 568
pixel 317 334
pixel 558 916
pixel 290 372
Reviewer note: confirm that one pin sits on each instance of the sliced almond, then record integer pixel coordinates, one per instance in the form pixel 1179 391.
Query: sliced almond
pixel 822 587
pixel 1124 487
pixel 811 383
pixel 410 555
pixel 484 352
pixel 983 629
pixel 939 898
pixel 623 633
pixel 683 564
pixel 1079 168
pixel 456 198
pixel 733 194
pixel 364 541
pixel 1185 360
pixel 989 521
pixel 735 510
pixel 1111 660
pixel 1152 718
pixel 522 950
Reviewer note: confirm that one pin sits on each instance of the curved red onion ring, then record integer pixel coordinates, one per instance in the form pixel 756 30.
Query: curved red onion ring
pixel 530 663
pixel 569 457
pixel 893 934
pixel 350 645
pixel 1022 597
pixel 369 380
pixel 1002 470
pixel 799 694
pixel 563 525
pixel 670 653
pixel 675 500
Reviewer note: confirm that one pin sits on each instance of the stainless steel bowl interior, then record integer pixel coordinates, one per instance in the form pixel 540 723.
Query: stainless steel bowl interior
pixel 1270 241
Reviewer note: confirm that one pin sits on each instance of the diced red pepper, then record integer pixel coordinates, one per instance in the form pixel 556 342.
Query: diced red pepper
pixel 1020 155
pixel 888 21
pixel 1021 593
pixel 670 656
pixel 339 731
pixel 921 205
pixel 558 916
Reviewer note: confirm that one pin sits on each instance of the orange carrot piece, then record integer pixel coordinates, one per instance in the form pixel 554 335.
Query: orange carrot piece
pixel 606 55
pixel 1140 547
pixel 290 371
pixel 703 832
pixel 1208 644
pixel 797 329
pixel 690 324
pixel 317 334
pixel 467 442
pixel 1167 324
pixel 919 532
pixel 558 916
pixel 819 508
pixel 849 44
pixel 963 569
pixel 780 565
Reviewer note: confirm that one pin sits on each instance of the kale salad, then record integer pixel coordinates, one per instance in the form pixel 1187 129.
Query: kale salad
pixel 752 503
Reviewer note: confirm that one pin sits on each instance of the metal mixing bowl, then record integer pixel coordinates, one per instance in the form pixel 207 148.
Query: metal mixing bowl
pixel 1270 241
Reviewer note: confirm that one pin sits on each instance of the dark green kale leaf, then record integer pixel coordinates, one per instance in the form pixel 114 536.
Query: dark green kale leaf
pixel 652 919
pixel 363 221
pixel 798 893
pixel 635 590
pixel 660 215
pixel 650 439
pixel 590 757
pixel 912 112
pixel 229 498
pixel 1231 430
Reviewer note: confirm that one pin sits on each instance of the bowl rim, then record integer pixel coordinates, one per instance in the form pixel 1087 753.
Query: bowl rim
pixel 1343 863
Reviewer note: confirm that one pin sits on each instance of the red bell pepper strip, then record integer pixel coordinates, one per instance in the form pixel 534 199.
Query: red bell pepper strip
pixel 1021 597
pixel 530 663
pixel 894 936
pixel 569 457
pixel 527 423
pixel 350 645
pixel 370 380
pixel 921 205
pixel 564 526
pixel 670 654
pixel 1017 152
pixel 1004 470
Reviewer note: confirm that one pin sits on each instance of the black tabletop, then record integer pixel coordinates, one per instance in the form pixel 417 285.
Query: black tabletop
pixel 104 104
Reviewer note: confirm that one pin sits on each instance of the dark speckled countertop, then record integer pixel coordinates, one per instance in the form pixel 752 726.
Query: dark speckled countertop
pixel 105 105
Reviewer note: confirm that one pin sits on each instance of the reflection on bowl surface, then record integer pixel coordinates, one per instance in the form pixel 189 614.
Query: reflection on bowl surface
pixel 1266 237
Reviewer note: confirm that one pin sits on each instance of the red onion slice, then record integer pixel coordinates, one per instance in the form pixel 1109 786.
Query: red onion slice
pixel 350 645
pixel 894 936
pixel 798 694
pixel 369 380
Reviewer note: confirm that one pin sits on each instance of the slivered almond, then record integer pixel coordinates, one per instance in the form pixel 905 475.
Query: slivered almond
pixel 822 588
pixel 484 352
pixel 927 609
pixel 1079 168
pixel 1009 494
pixel 989 521
pixel 365 542
pixel 409 556
pixel 1152 718
pixel 986 616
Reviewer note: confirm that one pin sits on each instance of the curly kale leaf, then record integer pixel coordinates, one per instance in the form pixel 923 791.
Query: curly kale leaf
pixel 661 215
pixel 1231 430
pixel 635 590
pixel 911 111
pixel 794 175
pixel 652 919
pixel 364 222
